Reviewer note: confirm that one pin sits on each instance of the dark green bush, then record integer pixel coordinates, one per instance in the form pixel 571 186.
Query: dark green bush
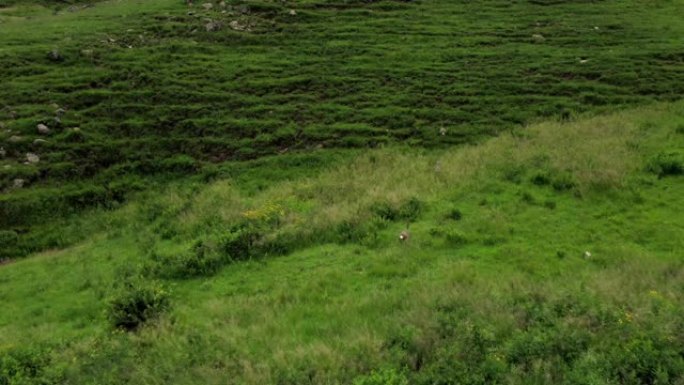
pixel 135 302
pixel 454 214
pixel 240 243
pixel 385 211
pixel 560 181
pixel 24 365
pixel 646 359
pixel 667 164
pixel 410 210
pixel 8 238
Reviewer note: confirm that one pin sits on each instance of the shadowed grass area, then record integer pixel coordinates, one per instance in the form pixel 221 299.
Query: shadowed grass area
pixel 550 254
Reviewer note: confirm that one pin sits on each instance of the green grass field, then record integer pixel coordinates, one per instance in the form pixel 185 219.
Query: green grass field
pixel 220 195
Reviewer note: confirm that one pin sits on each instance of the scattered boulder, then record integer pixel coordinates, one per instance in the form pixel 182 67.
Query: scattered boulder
pixel 538 37
pixel 55 55
pixel 404 236
pixel 587 255
pixel 212 26
pixel 15 139
pixel 237 26
pixel 3 152
pixel 39 141
pixel 208 6
pixel 18 183
pixel 32 158
pixel 43 129
pixel 60 112
pixel 442 131
pixel 87 52
pixel 222 4
pixel 293 12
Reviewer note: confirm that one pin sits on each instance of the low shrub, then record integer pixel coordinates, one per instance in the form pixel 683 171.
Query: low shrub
pixel 408 211
pixel 411 209
pixel 24 365
pixel 451 235
pixel 8 238
pixel 667 164
pixel 135 302
pixel 202 259
pixel 454 215
pixel 559 180
pixel 382 377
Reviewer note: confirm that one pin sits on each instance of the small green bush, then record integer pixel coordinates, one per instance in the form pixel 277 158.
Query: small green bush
pixel 454 215
pixel 385 211
pixel 135 302
pixel 382 377
pixel 411 209
pixel 8 238
pixel 202 259
pixel 24 365
pixel 560 180
pixel 451 235
pixel 667 164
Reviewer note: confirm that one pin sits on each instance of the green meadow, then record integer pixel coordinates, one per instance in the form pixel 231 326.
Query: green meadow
pixel 216 193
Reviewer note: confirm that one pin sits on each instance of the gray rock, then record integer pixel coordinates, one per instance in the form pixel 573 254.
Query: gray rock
pixel 60 112
pixel 3 153
pixel 208 6
pixel 32 158
pixel 18 183
pixel 15 139
pixel 212 26
pixel 40 141
pixel 293 12
pixel 55 55
pixel 538 37
pixel 237 26
pixel 43 129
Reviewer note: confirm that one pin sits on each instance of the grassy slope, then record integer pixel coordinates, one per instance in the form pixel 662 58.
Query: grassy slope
pixel 502 294
pixel 154 93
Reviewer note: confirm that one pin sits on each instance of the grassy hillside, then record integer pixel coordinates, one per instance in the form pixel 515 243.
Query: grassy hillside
pixel 135 92
pixel 551 254
pixel 215 193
